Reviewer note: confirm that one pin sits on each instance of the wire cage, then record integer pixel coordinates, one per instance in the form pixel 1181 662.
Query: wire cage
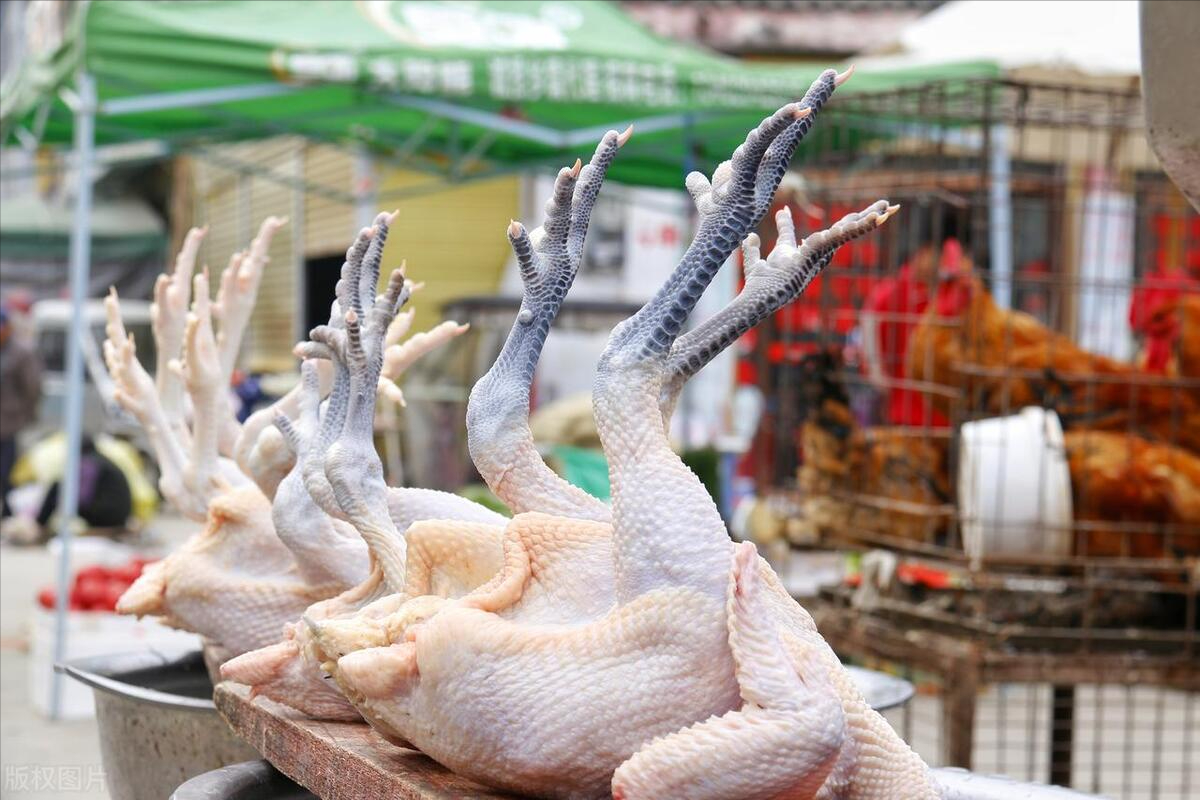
pixel 996 398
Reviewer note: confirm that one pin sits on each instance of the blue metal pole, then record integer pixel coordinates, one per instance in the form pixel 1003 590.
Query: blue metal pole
pixel 1000 217
pixel 81 244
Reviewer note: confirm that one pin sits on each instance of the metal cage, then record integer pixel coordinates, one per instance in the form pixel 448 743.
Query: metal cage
pixel 1041 261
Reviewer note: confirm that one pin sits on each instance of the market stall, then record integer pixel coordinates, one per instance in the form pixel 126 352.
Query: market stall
pixel 464 94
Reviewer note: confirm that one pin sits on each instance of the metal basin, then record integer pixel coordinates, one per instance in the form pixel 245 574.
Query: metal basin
pixel 250 780
pixel 880 690
pixel 959 784
pixel 157 722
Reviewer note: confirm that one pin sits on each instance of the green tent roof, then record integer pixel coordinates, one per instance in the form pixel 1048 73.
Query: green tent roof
pixel 122 228
pixel 507 84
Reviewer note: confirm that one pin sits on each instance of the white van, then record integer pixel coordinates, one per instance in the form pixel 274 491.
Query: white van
pixel 51 320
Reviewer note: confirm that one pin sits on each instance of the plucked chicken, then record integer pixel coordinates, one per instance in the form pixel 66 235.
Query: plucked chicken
pixel 266 553
pixel 701 677
pixel 497 414
pixel 453 561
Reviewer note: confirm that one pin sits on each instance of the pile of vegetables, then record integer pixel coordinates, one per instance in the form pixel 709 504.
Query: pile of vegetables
pixel 96 588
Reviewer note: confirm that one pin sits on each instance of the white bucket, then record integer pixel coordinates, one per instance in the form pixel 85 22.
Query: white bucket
pixel 1014 486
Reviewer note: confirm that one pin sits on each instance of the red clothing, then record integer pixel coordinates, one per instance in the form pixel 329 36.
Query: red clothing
pixel 898 303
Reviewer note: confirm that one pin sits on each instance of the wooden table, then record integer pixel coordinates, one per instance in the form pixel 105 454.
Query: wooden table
pixel 338 760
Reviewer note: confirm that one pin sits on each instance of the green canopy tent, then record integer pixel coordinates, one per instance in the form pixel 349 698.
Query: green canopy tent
pixel 461 89
pixel 121 229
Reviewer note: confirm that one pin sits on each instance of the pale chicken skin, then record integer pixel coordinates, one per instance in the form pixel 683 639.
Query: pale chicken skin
pixel 234 582
pixel 681 662
pixel 307 518
pixel 456 559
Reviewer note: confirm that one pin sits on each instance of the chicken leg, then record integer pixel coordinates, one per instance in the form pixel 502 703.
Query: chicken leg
pixel 498 434
pixel 554 720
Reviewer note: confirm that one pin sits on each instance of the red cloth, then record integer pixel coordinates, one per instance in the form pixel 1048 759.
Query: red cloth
pixel 899 302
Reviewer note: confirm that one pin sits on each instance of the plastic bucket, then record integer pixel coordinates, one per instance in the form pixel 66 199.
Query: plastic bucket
pixel 1014 486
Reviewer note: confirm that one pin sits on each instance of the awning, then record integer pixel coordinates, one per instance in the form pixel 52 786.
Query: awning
pixel 122 229
pixel 464 88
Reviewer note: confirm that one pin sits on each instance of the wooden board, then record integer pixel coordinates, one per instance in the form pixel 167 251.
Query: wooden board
pixel 338 760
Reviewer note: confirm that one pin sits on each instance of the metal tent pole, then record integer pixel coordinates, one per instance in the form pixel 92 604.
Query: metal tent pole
pixel 1000 216
pixel 81 241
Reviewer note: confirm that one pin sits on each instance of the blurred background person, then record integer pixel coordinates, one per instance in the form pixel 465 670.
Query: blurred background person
pixel 20 392
pixel 105 500
pixel 890 312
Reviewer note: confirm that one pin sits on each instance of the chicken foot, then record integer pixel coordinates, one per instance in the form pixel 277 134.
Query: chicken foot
pixel 498 434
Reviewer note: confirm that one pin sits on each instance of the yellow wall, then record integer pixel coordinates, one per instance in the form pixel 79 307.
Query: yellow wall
pixel 233 203
pixel 452 236
pixel 454 239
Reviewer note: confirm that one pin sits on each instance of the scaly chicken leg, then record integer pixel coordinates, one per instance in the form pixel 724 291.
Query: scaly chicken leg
pixel 770 285
pixel 234 582
pixel 665 645
pixel 260 450
pixel 498 434
pixel 234 304
pixel 207 474
pixel 136 392
pixel 168 318
pixel 287 671
pixel 327 550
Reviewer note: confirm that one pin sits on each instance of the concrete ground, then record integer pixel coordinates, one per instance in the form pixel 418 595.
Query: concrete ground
pixel 42 759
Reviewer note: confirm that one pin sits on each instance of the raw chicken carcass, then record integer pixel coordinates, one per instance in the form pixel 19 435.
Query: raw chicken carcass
pixel 498 427
pixel 326 547
pixel 452 561
pixel 281 670
pixel 498 412
pixel 234 582
pixel 703 679
pixel 286 670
